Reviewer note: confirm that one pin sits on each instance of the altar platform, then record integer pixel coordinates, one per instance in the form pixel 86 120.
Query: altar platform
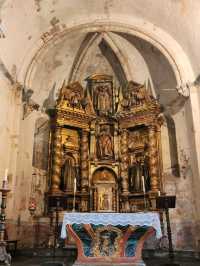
pixel 110 238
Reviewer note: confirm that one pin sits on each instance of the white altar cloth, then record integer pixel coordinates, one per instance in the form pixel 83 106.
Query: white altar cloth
pixel 150 219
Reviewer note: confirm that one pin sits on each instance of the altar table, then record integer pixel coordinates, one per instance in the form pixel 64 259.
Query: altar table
pixel 110 238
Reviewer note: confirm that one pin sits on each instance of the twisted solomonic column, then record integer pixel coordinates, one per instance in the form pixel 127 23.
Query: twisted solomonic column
pixel 57 153
pixel 84 161
pixel 153 158
pixel 124 161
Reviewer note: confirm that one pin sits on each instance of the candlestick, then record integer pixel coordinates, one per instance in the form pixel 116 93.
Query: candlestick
pixel 74 199
pixel 144 190
pixel 6 175
pixel 143 185
pixel 5 180
pixel 75 185
pixel 4 256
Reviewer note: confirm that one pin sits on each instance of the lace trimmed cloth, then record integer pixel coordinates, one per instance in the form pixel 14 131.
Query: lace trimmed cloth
pixel 150 219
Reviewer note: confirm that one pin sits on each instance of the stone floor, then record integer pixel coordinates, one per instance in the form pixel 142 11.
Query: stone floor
pixel 38 257
pixel 40 261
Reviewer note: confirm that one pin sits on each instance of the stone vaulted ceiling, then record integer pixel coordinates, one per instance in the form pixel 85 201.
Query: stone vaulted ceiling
pixel 44 42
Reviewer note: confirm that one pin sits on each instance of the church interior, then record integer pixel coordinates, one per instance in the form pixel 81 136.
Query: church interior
pixel 100 115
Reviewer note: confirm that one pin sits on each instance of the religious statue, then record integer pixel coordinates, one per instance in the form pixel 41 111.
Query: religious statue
pixel 104 202
pixel 135 176
pixel 139 96
pixel 137 171
pixel 101 200
pixel 137 139
pixel 75 100
pixel 71 95
pixel 103 100
pixel 136 95
pixel 105 144
pixel 69 173
pixel 125 102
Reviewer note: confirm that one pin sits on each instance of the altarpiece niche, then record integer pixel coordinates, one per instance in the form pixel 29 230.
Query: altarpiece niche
pixel 105 146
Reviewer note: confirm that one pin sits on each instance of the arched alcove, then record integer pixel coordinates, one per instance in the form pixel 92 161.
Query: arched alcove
pixel 72 38
pixel 161 72
pixel 105 186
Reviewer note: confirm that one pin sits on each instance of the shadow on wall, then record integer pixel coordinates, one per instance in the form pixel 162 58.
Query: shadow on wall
pixel 173 145
pixel 197 81
pixel 113 61
pixel 159 67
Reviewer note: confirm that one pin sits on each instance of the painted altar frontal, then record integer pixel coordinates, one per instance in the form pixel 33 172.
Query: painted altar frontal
pixel 110 238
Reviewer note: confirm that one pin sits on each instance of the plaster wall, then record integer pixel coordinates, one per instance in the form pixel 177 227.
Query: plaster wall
pixel 26 179
pixel 10 111
pixel 5 94
pixel 184 217
pixel 39 49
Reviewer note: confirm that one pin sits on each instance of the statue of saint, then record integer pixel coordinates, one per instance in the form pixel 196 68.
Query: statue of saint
pixel 138 169
pixel 104 200
pixel 103 100
pixel 76 100
pixel 134 140
pixel 101 195
pixel 69 173
pixel 135 176
pixel 105 144
pixel 139 96
pixel 125 102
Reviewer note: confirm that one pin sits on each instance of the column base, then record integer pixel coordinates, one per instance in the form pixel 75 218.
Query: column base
pixel 55 191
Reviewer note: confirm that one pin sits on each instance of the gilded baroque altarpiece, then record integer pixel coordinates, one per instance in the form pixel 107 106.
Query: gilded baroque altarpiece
pixel 105 147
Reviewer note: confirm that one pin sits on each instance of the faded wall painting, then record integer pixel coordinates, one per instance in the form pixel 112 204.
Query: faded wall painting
pixel 41 144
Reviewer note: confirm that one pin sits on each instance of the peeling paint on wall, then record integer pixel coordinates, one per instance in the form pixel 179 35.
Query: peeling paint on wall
pixel 2 35
pixel 55 28
pixel 186 170
pixel 108 4
pixel 38 5
pixel 54 21
pixel 5 71
pixel 54 2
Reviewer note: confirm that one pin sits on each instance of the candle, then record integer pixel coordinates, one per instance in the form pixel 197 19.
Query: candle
pixel 74 200
pixel 159 193
pixel 143 185
pixel 6 175
pixel 74 185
